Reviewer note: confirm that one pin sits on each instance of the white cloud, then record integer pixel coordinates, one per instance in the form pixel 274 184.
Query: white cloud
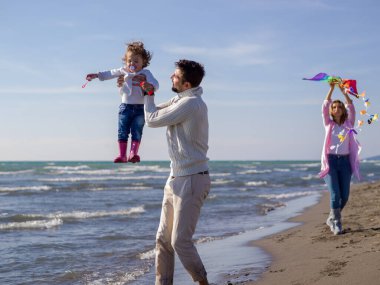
pixel 57 90
pixel 66 24
pixel 240 53
pixel 18 67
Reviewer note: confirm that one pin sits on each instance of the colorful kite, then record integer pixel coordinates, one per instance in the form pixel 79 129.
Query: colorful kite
pixel 349 85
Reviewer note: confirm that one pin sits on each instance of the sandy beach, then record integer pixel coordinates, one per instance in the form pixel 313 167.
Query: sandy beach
pixel 311 254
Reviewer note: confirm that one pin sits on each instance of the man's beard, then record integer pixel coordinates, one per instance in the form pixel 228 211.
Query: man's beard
pixel 175 90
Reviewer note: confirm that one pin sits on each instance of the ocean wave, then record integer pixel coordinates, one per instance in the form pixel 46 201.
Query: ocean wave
pixel 97 214
pixel 312 164
pixel 136 188
pixel 209 239
pixel 25 188
pixel 281 169
pixel 269 207
pixel 99 178
pixel 255 171
pixel 221 181
pixel 211 196
pixel 153 168
pixel 220 174
pixel 150 254
pixel 256 183
pixel 301 168
pixel 250 165
pixel 36 224
pixel 16 172
pixel 309 177
pixel 67 168
pixel 61 216
pixel 90 172
pixel 286 195
pixel 119 279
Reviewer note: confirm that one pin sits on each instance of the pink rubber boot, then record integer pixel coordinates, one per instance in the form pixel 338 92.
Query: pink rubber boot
pixel 122 158
pixel 133 157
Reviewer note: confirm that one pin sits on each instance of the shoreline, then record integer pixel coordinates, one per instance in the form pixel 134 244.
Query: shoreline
pixel 310 254
pixel 234 259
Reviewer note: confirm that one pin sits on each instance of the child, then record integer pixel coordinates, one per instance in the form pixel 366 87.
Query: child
pixel 340 155
pixel 131 110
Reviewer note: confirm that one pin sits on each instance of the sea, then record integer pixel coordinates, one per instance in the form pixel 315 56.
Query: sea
pixel 95 222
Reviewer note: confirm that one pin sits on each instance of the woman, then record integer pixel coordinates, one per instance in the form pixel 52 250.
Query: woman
pixel 340 155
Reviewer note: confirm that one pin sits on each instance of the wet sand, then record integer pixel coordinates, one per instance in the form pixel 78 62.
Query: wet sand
pixel 311 254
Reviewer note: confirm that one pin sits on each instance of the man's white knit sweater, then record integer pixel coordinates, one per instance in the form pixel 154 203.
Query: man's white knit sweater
pixel 185 116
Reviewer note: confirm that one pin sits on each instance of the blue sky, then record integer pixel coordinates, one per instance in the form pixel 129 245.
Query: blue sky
pixel 255 54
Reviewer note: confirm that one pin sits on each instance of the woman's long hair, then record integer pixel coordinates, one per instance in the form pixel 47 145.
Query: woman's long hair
pixel 344 112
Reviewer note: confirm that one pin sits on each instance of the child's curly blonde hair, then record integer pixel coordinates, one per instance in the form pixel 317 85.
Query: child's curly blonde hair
pixel 137 48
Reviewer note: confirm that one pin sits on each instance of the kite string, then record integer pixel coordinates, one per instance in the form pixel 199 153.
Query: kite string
pixel 84 85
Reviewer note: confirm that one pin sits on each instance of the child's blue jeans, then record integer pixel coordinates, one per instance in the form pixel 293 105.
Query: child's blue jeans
pixel 338 180
pixel 131 121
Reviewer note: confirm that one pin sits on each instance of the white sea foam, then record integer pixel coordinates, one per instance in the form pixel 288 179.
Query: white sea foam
pixel 211 196
pixel 255 171
pixel 309 177
pixel 220 174
pixel 99 178
pixel 97 214
pixel 25 188
pixel 281 169
pixel 137 188
pixel 286 195
pixel 89 172
pixel 147 255
pixel 250 165
pixel 39 224
pixel 256 183
pixel 220 181
pixel 67 168
pixel 116 279
pixel 16 172
pixel 123 188
pixel 208 239
pixel 370 174
pixel 153 168
pixel 312 164
pixel 301 168
pixel 98 189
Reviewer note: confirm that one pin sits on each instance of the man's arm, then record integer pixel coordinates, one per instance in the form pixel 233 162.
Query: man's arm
pixel 171 114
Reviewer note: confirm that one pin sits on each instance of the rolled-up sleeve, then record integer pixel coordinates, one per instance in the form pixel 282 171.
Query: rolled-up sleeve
pixel 351 114
pixel 326 112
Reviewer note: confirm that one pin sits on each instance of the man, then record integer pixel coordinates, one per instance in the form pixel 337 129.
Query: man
pixel 188 185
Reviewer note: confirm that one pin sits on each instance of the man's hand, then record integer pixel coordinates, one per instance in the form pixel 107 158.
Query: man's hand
pixel 120 81
pixel 139 78
pixel 147 87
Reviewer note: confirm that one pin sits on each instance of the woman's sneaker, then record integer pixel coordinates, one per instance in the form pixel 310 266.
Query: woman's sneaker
pixel 337 227
pixel 330 223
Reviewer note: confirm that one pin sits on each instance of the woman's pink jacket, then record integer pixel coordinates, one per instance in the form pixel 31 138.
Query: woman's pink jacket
pixel 354 147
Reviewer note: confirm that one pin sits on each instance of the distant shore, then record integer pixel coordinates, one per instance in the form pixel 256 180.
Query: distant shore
pixel 311 254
